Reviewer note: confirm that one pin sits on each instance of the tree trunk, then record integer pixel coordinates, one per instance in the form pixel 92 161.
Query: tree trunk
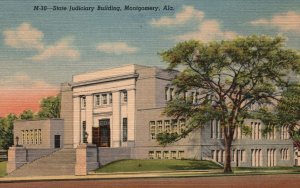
pixel 227 164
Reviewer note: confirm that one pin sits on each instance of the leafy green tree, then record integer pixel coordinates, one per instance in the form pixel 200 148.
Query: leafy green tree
pixel 6 131
pixel 50 107
pixel 286 113
pixel 27 115
pixel 231 76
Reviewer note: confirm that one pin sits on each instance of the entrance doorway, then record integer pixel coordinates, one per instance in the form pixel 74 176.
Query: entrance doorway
pixel 101 134
pixel 56 141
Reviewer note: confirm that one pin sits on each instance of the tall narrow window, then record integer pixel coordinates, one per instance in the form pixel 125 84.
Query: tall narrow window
pixel 171 93
pixel 125 129
pixel 166 93
pixel 84 136
pixel 110 98
pixel 83 102
pixel 152 130
pixel 167 126
pixel 104 99
pixel 159 127
pixel 40 136
pixel 23 137
pixel 124 96
pixel 97 100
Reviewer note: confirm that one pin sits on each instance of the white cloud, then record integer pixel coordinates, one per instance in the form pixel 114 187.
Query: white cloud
pixel 25 37
pixel 287 22
pixel 62 49
pixel 117 48
pixel 21 80
pixel 188 13
pixel 207 31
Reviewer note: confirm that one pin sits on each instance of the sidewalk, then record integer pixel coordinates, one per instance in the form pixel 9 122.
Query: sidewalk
pixel 150 174
pixel 124 175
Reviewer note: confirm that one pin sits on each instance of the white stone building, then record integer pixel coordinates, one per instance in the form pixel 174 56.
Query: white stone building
pixel 120 111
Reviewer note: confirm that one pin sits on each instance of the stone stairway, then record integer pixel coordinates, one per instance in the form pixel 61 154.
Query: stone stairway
pixel 58 163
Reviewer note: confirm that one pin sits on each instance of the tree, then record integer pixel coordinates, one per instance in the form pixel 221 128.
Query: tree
pixel 285 114
pixel 50 107
pixel 6 131
pixel 230 76
pixel 26 115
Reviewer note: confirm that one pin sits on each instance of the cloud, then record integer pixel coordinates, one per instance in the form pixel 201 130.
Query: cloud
pixel 188 13
pixel 27 37
pixel 286 22
pixel 207 31
pixel 117 48
pixel 62 49
pixel 21 80
pixel 24 37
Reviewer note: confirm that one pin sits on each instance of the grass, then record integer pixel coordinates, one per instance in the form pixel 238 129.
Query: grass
pixel 3 168
pixel 277 168
pixel 157 165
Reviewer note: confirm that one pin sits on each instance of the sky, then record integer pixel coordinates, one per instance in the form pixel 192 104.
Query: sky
pixel 39 49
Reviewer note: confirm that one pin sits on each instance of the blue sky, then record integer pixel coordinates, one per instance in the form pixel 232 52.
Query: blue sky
pixel 41 49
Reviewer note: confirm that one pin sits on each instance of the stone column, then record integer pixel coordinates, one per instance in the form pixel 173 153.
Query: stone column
pixel 16 158
pixel 89 116
pixel 116 120
pixel 76 121
pixel 131 117
pixel 86 159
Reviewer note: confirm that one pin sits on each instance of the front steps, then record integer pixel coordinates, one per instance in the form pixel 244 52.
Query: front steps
pixel 58 163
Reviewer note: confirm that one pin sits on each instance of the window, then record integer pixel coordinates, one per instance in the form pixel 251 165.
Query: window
pixel 27 137
pixel 166 93
pixel 84 138
pixel 152 130
pixel 31 136
pixel 181 125
pixel 173 154
pixel 158 154
pixel 256 155
pixel 271 157
pixel 125 130
pixel 124 96
pixel 151 154
pixel 110 98
pixel 174 126
pixel 97 100
pixel 83 102
pixel 284 134
pixel 180 154
pixel 159 127
pixel 171 93
pixel 167 126
pixel 256 130
pixel 166 154
pixel 23 137
pixel 35 136
pixel 104 100
pixel 40 136
pixel 284 154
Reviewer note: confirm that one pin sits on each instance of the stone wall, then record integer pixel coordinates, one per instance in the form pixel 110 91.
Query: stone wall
pixel 107 155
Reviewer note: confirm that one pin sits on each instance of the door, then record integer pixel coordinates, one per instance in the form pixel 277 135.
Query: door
pixel 56 141
pixel 96 136
pixel 104 126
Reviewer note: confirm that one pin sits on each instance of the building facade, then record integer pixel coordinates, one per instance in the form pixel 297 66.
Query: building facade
pixel 39 134
pixel 122 108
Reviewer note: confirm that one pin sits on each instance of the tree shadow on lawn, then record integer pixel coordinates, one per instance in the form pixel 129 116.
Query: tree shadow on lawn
pixel 196 165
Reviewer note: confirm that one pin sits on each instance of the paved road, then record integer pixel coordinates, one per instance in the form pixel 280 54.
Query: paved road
pixel 264 181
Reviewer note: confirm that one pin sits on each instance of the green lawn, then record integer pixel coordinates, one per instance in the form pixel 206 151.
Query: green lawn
pixel 3 168
pixel 157 165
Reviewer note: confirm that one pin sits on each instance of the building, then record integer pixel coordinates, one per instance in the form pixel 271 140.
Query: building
pixel 120 111
pixel 39 134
